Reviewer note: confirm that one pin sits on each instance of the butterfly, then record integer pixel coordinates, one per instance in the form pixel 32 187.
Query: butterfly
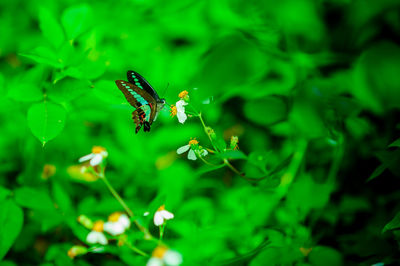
pixel 141 95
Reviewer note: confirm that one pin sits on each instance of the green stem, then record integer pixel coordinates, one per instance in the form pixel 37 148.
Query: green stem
pixel 135 249
pixel 116 195
pixel 146 233
pixel 293 168
pixel 206 162
pixel 162 227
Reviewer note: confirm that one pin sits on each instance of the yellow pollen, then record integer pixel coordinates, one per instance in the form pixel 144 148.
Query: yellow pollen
pixel 173 110
pixel 98 149
pixel 162 207
pixel 193 142
pixel 159 252
pixel 98 226
pixel 183 94
pixel 114 216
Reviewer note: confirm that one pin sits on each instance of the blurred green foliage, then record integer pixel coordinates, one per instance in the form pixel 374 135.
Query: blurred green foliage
pixel 312 89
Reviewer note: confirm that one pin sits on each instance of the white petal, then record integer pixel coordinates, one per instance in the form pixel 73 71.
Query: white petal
pixel 204 152
pixel 181 117
pixel 180 105
pixel 192 155
pixel 101 239
pixel 183 149
pixel 158 219
pixel 155 262
pixel 146 213
pixel 124 220
pixel 96 160
pixel 86 158
pixel 172 257
pixel 92 237
pixel 166 214
pixel 96 237
pixel 114 228
pixel 104 154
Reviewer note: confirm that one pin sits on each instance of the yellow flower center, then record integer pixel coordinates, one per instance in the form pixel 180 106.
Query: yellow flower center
pixel 183 94
pixel 159 252
pixel 98 149
pixel 98 226
pixel 193 142
pixel 173 110
pixel 162 207
pixel 114 217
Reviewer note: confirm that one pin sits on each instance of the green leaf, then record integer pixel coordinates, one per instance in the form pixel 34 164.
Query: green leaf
pixel 67 89
pixel 11 220
pixel 377 172
pixel 395 143
pixel 7 263
pixel 107 92
pixel 232 154
pixel 305 194
pixel 24 91
pixel 76 20
pixel 50 27
pixel 4 193
pixel 277 256
pixel 266 111
pixel 33 198
pixel 61 197
pixel 44 55
pixel 321 255
pixel 206 168
pixel 46 120
pixel 393 224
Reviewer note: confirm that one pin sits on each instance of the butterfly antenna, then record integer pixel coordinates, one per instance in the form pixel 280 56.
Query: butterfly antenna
pixel 165 90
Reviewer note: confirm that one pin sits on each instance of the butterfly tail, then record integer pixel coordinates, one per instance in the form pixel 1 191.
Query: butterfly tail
pixel 146 126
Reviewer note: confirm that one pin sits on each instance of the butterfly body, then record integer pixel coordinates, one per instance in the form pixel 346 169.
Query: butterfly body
pixel 141 95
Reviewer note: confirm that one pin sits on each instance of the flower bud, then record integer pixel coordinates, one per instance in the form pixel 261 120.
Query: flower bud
pixel 85 221
pixel 184 95
pixel 234 142
pixel 76 251
pixel 211 133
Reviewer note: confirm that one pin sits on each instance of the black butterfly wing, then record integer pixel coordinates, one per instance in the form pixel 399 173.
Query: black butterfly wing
pixel 141 82
pixel 144 104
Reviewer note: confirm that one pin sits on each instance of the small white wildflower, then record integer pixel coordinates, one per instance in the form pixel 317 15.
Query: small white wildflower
pixel 96 157
pixel 180 111
pixel 161 215
pixel 163 256
pixel 189 147
pixel 117 224
pixel 96 235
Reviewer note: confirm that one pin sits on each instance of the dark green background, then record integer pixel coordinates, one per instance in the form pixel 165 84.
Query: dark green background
pixel 311 88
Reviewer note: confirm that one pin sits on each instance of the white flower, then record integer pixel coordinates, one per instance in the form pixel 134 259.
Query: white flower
pixel 117 224
pixel 161 215
pixel 180 111
pixel 96 157
pixel 96 235
pixel 172 257
pixel 191 153
pixel 155 262
pixel 164 256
